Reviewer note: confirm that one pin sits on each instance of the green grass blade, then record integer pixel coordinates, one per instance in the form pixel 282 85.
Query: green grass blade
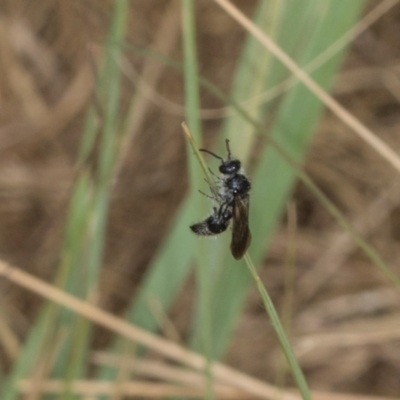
pixel 274 178
pixel 280 332
pixel 90 255
pixel 203 328
pixel 84 237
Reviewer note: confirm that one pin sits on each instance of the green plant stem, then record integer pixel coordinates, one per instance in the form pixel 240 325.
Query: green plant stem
pixel 203 332
pixel 280 333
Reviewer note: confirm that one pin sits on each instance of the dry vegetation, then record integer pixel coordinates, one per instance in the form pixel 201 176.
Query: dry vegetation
pixel 47 53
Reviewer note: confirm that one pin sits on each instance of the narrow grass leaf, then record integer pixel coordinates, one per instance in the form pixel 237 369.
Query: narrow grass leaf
pixel 83 245
pixel 274 178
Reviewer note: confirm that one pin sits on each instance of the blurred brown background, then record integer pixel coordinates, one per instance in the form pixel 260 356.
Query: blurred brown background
pixel 48 50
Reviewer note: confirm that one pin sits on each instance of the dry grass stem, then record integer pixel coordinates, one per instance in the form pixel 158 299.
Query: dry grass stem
pixel 157 370
pixel 342 245
pixel 363 132
pixel 170 350
pixel 222 112
pixel 375 331
pixel 137 389
pixel 165 40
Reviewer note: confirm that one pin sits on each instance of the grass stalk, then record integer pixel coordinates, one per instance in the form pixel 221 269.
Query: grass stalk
pixel 203 331
pixel 280 332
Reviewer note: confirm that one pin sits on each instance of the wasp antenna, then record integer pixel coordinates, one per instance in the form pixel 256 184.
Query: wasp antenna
pixel 213 154
pixel 228 148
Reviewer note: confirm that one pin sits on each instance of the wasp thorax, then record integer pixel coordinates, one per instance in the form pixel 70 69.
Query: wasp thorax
pixel 238 184
pixel 230 167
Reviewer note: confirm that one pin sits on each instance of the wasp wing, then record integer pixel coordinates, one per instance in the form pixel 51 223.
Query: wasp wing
pixel 241 236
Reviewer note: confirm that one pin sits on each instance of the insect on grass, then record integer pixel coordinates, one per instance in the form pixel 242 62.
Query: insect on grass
pixel 230 193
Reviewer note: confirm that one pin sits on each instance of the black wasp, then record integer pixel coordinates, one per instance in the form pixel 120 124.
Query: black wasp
pixel 231 194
